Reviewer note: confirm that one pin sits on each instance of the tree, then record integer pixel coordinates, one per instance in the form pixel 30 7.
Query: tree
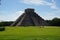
pixel 54 22
pixel 6 23
pixel 0 2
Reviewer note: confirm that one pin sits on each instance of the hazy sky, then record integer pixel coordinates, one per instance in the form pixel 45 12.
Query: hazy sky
pixel 10 10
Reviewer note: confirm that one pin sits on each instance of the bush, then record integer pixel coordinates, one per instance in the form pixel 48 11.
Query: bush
pixel 6 23
pixel 2 28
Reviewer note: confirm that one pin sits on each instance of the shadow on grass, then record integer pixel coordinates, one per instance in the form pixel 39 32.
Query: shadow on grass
pixel 42 37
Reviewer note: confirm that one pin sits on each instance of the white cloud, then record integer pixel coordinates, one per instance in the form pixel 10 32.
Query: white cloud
pixel 52 4
pixel 5 18
pixel 17 14
pixel 1 18
pixel 36 2
pixel 50 15
pixel 11 17
pixel 41 2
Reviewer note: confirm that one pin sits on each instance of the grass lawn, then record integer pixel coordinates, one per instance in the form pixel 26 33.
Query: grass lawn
pixel 30 33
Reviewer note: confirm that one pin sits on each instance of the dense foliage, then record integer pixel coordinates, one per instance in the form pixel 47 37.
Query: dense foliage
pixel 6 23
pixel 2 28
pixel 53 22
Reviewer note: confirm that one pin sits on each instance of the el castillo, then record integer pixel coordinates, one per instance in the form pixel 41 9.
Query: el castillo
pixel 29 18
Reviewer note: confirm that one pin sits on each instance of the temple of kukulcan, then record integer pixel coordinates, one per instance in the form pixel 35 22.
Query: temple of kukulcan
pixel 30 18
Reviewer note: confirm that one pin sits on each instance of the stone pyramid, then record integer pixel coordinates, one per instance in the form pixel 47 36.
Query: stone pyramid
pixel 29 18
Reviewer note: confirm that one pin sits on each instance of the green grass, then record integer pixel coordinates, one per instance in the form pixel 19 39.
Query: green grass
pixel 30 33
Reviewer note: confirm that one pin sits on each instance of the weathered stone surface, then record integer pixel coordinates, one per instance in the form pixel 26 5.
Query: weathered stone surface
pixel 29 18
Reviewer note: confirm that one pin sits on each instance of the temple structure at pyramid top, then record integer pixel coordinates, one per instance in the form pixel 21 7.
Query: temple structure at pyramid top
pixel 30 18
pixel 29 10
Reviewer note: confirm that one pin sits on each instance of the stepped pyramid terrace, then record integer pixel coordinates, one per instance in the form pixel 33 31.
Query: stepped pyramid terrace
pixel 30 18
